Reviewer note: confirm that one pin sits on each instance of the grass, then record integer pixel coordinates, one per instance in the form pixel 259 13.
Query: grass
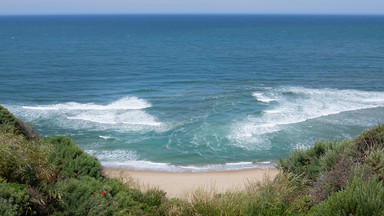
pixel 52 176
pixel 358 198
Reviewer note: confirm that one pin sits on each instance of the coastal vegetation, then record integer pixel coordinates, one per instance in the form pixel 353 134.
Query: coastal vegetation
pixel 52 176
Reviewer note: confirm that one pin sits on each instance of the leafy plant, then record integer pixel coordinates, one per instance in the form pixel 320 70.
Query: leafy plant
pixel 71 160
pixel 16 126
pixel 14 199
pixel 359 198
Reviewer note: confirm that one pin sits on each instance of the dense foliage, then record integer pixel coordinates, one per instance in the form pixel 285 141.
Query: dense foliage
pixel 52 176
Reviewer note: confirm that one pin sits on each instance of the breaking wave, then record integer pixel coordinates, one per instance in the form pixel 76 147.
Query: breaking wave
pixel 129 160
pixel 127 113
pixel 126 103
pixel 294 105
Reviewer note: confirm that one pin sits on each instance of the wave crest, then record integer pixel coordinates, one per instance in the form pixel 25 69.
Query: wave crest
pixel 294 105
pixel 129 160
pixel 125 114
pixel 126 103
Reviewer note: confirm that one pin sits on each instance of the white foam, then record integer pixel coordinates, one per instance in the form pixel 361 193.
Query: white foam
pixel 105 137
pixel 374 100
pixel 115 156
pixel 166 167
pixel 239 163
pixel 132 117
pixel 263 97
pixel 297 104
pixel 129 160
pixel 126 103
pixel 126 114
pixel 274 111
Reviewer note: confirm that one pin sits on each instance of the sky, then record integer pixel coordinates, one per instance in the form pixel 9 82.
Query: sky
pixel 16 7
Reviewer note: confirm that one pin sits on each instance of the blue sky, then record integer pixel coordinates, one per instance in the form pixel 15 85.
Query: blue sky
pixel 191 6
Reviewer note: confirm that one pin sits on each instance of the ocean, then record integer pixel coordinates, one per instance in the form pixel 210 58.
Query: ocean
pixel 193 92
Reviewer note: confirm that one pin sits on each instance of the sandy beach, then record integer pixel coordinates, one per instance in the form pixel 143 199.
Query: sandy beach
pixel 180 185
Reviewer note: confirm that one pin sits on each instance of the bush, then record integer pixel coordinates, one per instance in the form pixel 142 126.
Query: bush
pixel 24 161
pixel 15 125
pixel 176 207
pixel 89 196
pixel 208 202
pixel 84 196
pixel 7 119
pixel 14 199
pixel 376 160
pixel 335 152
pixel 333 180
pixel 306 162
pixel 71 160
pixel 370 140
pixel 359 198
pixel 153 197
pixel 61 179
pixel 275 197
pixel 259 198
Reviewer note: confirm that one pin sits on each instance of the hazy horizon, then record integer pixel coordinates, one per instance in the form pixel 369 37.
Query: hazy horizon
pixel 88 7
pixel 193 14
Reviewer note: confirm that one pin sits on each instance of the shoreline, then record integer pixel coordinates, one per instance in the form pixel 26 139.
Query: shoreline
pixel 182 184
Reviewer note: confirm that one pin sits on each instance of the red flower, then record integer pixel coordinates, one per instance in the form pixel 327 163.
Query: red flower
pixel 103 194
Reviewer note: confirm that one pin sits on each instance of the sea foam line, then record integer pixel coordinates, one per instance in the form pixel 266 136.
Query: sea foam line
pixel 126 103
pixel 125 114
pixel 128 117
pixel 166 167
pixel 293 105
pixel 128 159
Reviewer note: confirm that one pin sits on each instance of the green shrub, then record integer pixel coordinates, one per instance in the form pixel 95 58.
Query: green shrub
pixel 71 160
pixel 339 162
pixel 305 162
pixel 258 198
pixel 7 119
pixel 209 202
pixel 22 157
pixel 332 181
pixel 363 172
pixel 176 207
pixel 370 140
pixel 84 196
pixel 334 153
pixel 25 161
pixel 123 196
pixel 311 162
pixel 275 197
pixel 14 199
pixel 153 197
pixel 61 179
pixel 299 206
pixel 376 160
pixel 358 198
pixel 15 125
pixel 89 196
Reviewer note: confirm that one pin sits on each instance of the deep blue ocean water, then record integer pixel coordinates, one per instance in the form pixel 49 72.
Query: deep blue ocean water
pixel 193 92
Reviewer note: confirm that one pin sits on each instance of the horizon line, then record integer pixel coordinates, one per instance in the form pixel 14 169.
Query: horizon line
pixel 192 13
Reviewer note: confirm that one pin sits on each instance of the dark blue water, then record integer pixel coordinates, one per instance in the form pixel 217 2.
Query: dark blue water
pixel 193 92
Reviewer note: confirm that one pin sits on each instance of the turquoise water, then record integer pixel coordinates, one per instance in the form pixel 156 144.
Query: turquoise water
pixel 193 93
